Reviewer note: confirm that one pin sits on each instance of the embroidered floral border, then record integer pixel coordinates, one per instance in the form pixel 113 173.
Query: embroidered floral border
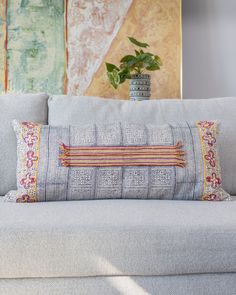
pixel 212 174
pixel 28 158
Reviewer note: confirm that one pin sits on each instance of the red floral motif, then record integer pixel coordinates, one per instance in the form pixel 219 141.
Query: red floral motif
pixel 212 175
pixel 209 138
pixel 29 125
pixel 210 157
pixel 214 180
pixel 25 199
pixel 206 124
pixel 30 139
pixel 211 197
pixel 27 181
pixel 30 159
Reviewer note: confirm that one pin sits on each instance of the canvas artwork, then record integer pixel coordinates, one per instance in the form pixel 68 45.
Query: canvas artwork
pixel 60 46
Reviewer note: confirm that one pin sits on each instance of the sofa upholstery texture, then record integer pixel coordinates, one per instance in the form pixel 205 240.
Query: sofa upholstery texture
pixel 128 247
pixel 117 237
pixel 207 284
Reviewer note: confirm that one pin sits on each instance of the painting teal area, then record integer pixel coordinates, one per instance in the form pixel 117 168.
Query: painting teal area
pixel 2 44
pixel 36 46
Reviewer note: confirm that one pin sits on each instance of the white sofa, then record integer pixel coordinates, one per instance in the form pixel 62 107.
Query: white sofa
pixel 131 247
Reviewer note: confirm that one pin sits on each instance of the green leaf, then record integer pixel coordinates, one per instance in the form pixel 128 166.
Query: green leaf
pixel 129 62
pixel 138 43
pixel 149 54
pixel 111 79
pixel 144 56
pixel 153 67
pixel 128 58
pixel 111 67
pixel 124 74
pixel 114 78
pixel 145 60
pixel 158 60
pixel 137 52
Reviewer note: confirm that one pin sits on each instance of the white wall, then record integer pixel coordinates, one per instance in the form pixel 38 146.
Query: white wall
pixel 209 48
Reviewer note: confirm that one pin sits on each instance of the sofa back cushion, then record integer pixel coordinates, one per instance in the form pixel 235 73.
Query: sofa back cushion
pixel 73 110
pixel 21 107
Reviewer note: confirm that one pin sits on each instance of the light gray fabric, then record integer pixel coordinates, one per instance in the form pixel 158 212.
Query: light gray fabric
pixel 69 110
pixel 212 284
pixel 116 237
pixel 59 179
pixel 29 107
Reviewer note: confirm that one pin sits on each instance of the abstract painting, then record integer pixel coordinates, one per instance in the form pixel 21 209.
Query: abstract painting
pixel 60 46
pixel 3 39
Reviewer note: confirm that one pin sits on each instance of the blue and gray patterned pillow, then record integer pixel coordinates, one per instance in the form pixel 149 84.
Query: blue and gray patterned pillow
pixel 117 161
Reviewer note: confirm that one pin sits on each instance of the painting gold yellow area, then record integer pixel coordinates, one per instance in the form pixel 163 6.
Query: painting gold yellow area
pixel 60 46
pixel 157 22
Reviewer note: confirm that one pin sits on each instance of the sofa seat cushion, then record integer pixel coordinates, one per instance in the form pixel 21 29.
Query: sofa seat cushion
pixel 116 237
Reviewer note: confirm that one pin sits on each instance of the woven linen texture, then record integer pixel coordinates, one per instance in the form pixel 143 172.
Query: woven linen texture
pixel 97 161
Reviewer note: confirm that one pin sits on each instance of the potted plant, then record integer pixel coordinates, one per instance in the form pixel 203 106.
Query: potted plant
pixel 133 67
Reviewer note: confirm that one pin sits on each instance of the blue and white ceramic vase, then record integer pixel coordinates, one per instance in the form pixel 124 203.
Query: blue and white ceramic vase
pixel 140 87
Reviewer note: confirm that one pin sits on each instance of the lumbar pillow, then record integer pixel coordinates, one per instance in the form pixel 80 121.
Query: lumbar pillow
pixel 119 160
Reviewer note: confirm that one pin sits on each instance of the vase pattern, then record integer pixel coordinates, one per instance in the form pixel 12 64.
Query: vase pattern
pixel 140 87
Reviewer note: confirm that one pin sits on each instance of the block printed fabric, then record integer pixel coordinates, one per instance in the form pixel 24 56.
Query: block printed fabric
pixel 100 161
